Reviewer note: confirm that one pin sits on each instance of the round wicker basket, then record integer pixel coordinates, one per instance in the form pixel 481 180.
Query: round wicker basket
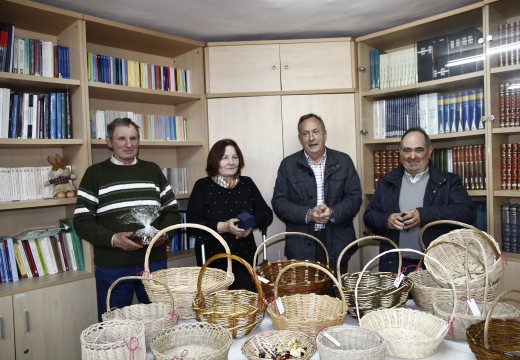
pixel 182 281
pixel 267 340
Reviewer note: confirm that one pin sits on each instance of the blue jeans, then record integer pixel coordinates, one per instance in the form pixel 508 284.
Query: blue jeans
pixel 123 293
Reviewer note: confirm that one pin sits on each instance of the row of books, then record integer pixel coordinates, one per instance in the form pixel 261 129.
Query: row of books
pixel 435 113
pixel 152 127
pixel 384 162
pixel 25 183
pixel 25 115
pixel 510 227
pixel 509 166
pixel 181 240
pixel 112 70
pixel 32 56
pixel 388 70
pixel 40 252
pixel 509 104
pixel 178 178
pixel 509 42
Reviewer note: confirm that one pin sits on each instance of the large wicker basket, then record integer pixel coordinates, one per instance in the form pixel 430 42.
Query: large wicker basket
pixel 182 281
pixel 409 334
pixel 495 339
pixel 376 289
pixel 356 343
pixel 113 340
pixel 194 341
pixel 450 250
pixel 238 311
pixel 155 316
pixel 266 341
pixel 308 313
pixel 299 280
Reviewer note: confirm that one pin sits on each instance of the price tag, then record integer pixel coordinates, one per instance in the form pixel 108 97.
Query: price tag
pixel 443 329
pixel 279 304
pixel 398 279
pixel 263 279
pixel 328 336
pixel 474 308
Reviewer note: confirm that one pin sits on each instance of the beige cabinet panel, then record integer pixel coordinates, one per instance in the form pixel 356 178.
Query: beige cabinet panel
pixel 49 321
pixel 316 66
pixel 6 328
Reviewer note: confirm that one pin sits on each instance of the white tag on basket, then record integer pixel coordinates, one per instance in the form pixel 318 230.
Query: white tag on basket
pixel 474 308
pixel 398 279
pixel 334 341
pixel 263 279
pixel 442 330
pixel 279 304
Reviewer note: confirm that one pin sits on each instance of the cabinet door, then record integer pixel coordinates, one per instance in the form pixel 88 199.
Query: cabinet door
pixel 49 321
pixel 243 68
pixel 316 66
pixel 6 328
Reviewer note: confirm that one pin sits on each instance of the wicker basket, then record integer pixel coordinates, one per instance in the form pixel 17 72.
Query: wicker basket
pixel 495 339
pixel 355 342
pixel 182 281
pixel 450 250
pixel 113 340
pixel 308 313
pixel 376 289
pixel 238 311
pixel 267 340
pixel 300 280
pixel 409 334
pixel 194 341
pixel 155 316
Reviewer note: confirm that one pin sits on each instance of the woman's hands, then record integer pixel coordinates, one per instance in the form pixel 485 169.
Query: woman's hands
pixel 230 227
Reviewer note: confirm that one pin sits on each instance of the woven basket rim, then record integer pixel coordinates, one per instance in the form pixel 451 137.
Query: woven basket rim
pixel 351 329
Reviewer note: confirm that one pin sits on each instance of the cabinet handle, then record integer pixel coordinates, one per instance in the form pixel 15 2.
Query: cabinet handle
pixel 274 67
pixel 1 327
pixel 27 326
pixel 286 67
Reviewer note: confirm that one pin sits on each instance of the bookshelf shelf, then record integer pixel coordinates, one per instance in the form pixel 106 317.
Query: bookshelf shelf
pixel 36 82
pixel 31 204
pixel 39 143
pixel 507 193
pixel 156 144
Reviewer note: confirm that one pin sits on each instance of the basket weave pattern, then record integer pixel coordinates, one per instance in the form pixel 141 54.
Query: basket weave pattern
pixel 250 346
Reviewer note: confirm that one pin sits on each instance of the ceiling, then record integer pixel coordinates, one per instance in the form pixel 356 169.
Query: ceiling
pixel 243 20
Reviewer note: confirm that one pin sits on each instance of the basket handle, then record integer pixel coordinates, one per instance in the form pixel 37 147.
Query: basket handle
pixel 490 312
pixel 409 250
pixel 316 266
pixel 229 257
pixel 280 236
pixel 363 239
pixel 182 226
pixel 143 278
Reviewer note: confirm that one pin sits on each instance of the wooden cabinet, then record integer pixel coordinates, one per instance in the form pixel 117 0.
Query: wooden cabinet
pixel 323 64
pixel 7 327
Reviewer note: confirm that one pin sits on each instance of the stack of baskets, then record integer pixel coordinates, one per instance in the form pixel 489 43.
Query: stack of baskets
pixel 376 290
pixel 238 311
pixel 268 341
pixel 155 316
pixel 299 280
pixel 182 281
pixel 308 313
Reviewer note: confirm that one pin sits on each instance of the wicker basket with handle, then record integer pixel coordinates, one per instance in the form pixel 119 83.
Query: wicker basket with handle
pixel 308 313
pixel 238 311
pixel 376 289
pixel 155 316
pixel 182 281
pixel 298 280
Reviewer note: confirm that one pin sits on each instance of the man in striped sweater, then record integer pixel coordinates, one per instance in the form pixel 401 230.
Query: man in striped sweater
pixel 109 190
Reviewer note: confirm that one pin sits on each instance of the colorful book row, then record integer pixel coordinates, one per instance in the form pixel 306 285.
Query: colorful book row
pixel 510 227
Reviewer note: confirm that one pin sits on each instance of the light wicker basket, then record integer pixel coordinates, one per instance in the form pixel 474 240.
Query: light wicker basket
pixel 308 313
pixel 450 250
pixel 409 334
pixel 238 311
pixel 182 281
pixel 155 316
pixel 299 280
pixel 495 339
pixel 376 289
pixel 269 339
pixel 356 343
pixel 113 340
pixel 194 341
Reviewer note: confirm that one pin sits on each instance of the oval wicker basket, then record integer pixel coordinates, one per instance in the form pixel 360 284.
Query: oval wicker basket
pixel 376 289
pixel 113 340
pixel 267 340
pixel 495 339
pixel 308 313
pixel 449 250
pixel 409 334
pixel 194 341
pixel 182 281
pixel 238 311
pixel 155 316
pixel 299 280
pixel 356 343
